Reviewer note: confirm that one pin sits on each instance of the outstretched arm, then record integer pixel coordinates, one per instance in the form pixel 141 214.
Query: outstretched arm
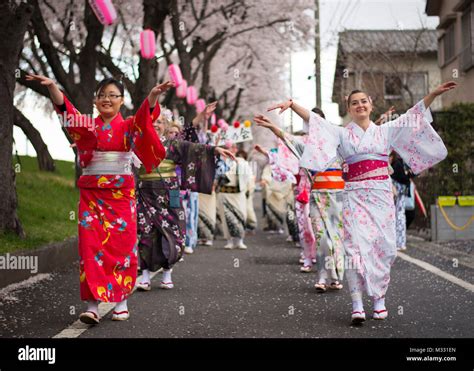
pixel 299 110
pixel 265 122
pixel 443 88
pixel 54 92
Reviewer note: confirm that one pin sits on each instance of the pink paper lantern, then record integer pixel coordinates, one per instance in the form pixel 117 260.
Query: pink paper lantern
pixel 104 11
pixel 182 89
pixel 147 44
pixel 200 105
pixel 225 126
pixel 191 95
pixel 175 74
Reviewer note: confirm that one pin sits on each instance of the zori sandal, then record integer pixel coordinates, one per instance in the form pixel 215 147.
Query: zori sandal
pixel 89 318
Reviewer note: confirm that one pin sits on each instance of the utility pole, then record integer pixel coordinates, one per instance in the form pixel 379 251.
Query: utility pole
pixel 317 50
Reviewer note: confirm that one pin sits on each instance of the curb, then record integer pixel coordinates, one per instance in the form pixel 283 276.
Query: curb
pixel 49 258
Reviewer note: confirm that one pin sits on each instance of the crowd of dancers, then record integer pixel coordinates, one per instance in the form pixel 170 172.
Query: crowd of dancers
pixel 152 190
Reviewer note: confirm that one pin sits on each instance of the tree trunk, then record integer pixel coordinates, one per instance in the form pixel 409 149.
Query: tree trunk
pixel 45 161
pixel 13 22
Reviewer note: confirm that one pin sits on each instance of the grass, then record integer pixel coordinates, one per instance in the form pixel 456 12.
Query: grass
pixel 46 202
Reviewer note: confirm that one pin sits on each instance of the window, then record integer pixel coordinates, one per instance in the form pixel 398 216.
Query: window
pixel 467 50
pixel 392 87
pixel 448 44
pixel 416 87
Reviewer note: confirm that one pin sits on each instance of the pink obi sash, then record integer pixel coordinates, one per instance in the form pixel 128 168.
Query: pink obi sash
pixel 366 166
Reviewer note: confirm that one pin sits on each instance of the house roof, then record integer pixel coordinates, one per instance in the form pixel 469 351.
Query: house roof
pixel 392 41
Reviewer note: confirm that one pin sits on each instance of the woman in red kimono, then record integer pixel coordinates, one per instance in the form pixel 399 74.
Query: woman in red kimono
pixel 107 205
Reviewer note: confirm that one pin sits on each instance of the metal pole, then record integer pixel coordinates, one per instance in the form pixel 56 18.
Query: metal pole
pixel 317 60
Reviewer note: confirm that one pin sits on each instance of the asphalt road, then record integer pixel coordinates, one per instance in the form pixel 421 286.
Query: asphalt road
pixel 254 293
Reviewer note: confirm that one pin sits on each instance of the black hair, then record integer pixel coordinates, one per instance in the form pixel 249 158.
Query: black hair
pixel 355 92
pixel 319 112
pixel 109 81
pixel 241 153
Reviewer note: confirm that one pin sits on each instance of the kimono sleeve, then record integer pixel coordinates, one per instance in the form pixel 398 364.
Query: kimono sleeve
pixel 145 142
pixel 323 141
pixel 279 172
pixel 286 158
pixel 80 128
pixel 414 139
pixel 198 165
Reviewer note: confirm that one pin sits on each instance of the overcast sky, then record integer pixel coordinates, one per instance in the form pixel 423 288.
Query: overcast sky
pixel 335 16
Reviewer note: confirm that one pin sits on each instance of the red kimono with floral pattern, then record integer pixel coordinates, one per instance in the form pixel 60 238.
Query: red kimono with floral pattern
pixel 107 205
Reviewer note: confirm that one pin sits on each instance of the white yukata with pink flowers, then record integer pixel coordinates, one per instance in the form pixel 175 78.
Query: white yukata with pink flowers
pixel 368 207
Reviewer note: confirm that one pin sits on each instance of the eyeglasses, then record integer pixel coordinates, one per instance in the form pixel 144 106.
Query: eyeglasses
pixel 110 96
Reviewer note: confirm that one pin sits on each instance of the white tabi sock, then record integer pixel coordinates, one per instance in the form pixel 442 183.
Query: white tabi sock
pixel 357 304
pixel 93 306
pixel 145 276
pixel 308 262
pixel 166 276
pixel 379 304
pixel 122 306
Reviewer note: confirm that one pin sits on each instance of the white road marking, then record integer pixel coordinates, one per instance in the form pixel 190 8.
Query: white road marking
pixel 437 271
pixel 77 328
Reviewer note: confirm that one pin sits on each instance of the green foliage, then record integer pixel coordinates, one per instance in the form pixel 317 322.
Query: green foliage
pixel 45 201
pixel 454 175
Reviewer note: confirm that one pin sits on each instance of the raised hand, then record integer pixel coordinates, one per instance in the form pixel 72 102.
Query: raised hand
pixel 384 117
pixel 224 153
pixel 444 87
pixel 263 121
pixel 210 108
pixel 54 92
pixel 46 81
pixel 282 106
pixel 158 90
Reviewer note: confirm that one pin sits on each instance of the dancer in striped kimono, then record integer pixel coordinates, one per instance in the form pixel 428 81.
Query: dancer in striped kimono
pixel 324 240
pixel 232 202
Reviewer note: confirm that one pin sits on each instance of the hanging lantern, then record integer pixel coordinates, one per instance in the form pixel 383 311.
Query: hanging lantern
pixel 224 126
pixel 220 122
pixel 191 95
pixel 104 11
pixel 214 128
pixel 200 105
pixel 236 124
pixel 147 44
pixel 182 89
pixel 247 123
pixel 175 74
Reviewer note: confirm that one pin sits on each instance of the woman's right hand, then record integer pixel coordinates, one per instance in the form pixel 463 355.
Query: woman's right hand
pixel 264 121
pixel 46 81
pixel 54 92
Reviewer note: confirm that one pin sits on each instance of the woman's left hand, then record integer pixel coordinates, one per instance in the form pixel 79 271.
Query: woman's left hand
pixel 443 88
pixel 158 90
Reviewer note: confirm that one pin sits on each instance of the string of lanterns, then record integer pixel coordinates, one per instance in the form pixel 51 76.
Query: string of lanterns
pixel 107 15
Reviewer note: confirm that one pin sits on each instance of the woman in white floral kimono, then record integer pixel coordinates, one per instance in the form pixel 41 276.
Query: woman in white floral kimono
pixel 368 208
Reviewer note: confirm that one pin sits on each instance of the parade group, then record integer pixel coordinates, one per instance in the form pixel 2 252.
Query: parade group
pixel 152 189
